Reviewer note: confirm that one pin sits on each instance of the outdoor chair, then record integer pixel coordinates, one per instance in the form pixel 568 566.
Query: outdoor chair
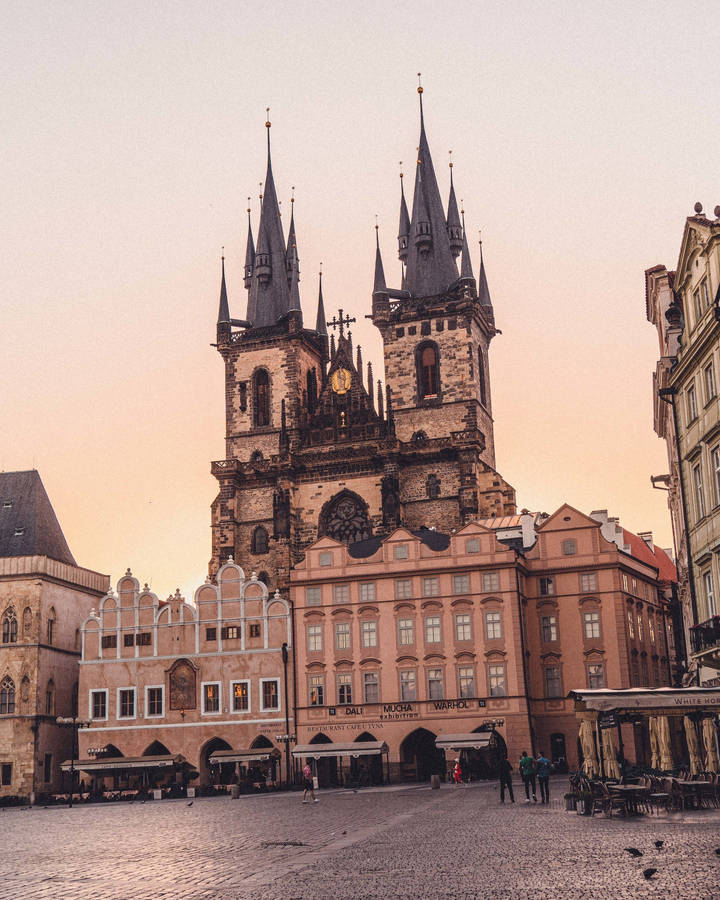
pixel 676 797
pixel 612 802
pixel 597 797
pixel 659 796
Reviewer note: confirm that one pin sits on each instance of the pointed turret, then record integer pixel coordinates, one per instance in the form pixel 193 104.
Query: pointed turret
pixel 466 272
pixel 483 290
pixel 379 286
pixel 224 310
pixel 404 226
pixel 249 252
pixel 294 289
pixel 291 255
pixel 269 297
pixel 454 228
pixel 431 268
pixel 320 323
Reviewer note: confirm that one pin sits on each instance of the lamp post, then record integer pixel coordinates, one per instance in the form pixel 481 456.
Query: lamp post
pixel 75 723
pixel 284 649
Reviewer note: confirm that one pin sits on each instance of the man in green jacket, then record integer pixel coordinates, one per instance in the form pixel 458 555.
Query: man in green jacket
pixel 527 770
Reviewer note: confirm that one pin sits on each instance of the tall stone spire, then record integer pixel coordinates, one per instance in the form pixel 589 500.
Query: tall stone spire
pixel 431 268
pixel 249 252
pixel 224 310
pixel 454 228
pixel 291 255
pixel 320 323
pixel 379 286
pixel 466 271
pixel 483 290
pixel 404 226
pixel 269 297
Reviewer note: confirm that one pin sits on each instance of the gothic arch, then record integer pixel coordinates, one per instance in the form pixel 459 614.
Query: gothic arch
pixel 481 377
pixel 7 696
pixel 261 398
pixel 345 518
pixel 260 541
pixel 427 370
pixel 51 625
pixel 9 626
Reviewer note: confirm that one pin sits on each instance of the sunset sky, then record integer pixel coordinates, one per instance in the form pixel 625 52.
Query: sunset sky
pixel 132 133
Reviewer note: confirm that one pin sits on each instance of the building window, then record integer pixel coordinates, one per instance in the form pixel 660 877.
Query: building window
pixel 367 591
pixel 270 694
pixel 210 635
pixel 656 671
pixel 435 684
pixel 715 459
pixel 50 698
pixel 342 636
pixel 631 624
pixel 493 626
pixel 472 545
pixel 548 625
pixel 644 671
pixel 461 584
pixel 431 587
pixel 588 582
pixel 428 370
pixel 403 589
pixel 547 587
pixel 496 680
pixel 406 631
pixel 625 583
pixel 7 696
pixel 254 630
pixel 432 487
pixel 143 639
pixel 51 626
pixel 129 639
pixel 98 704
pixel 313 596
pixel 326 558
pixel 126 703
pixel 432 630
pixel 6 774
pixel 369 633
pixel 709 378
pixel 230 633
pixel 341 593
pixel 651 628
pixel 640 627
pixel 260 541
pixel 314 638
pixel 596 675
pixel 9 627
pixel 699 493
pixel 155 701
pixel 240 692
pixel 709 593
pixel 408 684
pixel 371 687
pixel 261 399
pixel 691 404
pixel 400 551
pixel 592 624
pixel 553 682
pixel 463 627
pixel 211 697
pixel 316 690
pixel 344 688
pixel 490 582
pixel 633 583
pixel 466 681
pixel 569 548
pixel 481 377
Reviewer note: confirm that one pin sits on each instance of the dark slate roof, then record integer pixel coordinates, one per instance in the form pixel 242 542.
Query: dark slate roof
pixel 435 540
pixel 28 525
pixel 224 309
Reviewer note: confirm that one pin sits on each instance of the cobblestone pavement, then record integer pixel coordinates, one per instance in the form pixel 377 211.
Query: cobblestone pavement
pixel 409 842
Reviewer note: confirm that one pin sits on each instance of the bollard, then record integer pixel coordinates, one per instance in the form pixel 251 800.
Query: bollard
pixel 234 791
pixel 435 782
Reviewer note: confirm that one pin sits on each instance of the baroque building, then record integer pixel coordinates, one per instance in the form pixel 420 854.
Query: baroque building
pixel 315 446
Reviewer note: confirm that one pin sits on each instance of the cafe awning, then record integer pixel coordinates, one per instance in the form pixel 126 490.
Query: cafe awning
pixel 649 698
pixel 357 748
pixel 118 763
pixel 261 754
pixel 475 741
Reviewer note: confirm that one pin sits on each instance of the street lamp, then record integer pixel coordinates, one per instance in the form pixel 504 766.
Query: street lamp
pixel 75 723
pixel 284 649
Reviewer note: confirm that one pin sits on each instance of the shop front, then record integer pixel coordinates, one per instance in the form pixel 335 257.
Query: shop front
pixel 356 764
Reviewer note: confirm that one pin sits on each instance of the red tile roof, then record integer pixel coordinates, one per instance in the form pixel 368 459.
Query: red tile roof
pixel 659 559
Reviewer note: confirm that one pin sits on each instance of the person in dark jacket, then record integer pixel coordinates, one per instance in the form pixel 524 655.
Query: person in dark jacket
pixel 543 767
pixel 506 779
pixel 527 770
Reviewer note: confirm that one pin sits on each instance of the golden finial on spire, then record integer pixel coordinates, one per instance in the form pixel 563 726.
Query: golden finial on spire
pixel 292 195
pixel 401 171
pixel 248 208
pixel 260 186
pixel 222 253
pixel 420 90
pixel 450 163
pixel 480 237
pixel 462 206
pixel 267 113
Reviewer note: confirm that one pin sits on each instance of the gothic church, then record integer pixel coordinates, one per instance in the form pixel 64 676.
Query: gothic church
pixel 314 446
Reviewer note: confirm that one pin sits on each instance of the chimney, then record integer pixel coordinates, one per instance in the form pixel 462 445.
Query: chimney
pixel 648 538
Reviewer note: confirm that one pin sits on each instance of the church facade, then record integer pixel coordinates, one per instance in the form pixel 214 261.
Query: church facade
pixel 315 446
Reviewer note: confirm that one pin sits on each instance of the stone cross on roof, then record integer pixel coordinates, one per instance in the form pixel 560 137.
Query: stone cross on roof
pixel 340 322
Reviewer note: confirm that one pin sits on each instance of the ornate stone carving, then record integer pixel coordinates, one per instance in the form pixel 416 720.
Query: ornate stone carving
pixel 183 690
pixel 345 518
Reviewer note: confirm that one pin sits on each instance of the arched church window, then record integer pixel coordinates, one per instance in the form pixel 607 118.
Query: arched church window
pixel 261 398
pixel 433 487
pixel 481 377
pixel 27 622
pixel 346 519
pixel 7 696
pixel 428 370
pixel 52 620
pixel 50 698
pixel 260 541
pixel 9 627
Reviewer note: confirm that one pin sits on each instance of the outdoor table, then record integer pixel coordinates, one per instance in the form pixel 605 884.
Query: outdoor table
pixel 692 788
pixel 630 793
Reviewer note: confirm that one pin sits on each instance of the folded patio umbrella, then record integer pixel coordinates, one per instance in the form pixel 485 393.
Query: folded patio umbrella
pixel 712 764
pixel 693 747
pixel 612 769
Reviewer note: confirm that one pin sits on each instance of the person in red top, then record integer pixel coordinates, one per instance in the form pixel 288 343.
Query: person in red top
pixel 457 773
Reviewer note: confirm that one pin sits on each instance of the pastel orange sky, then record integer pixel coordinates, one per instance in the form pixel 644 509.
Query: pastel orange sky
pixel 132 133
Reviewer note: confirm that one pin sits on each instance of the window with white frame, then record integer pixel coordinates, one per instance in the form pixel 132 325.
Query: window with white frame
pixel 313 596
pixel 493 625
pixel 697 305
pixel 371 687
pixel 592 624
pixel 342 635
pixel 704 294
pixel 126 703
pixel 691 403
pixel 490 582
pixel 341 593
pixel 240 692
pixel 496 679
pixel 640 627
pixel 408 684
pixel 211 697
pixel 314 638
pixel 569 547
pixel 595 675
pixel 631 624
pixel 344 688
pixel 463 627
pixel 154 700
pixel 466 681
pixel 406 631
pixel 553 682
pixel 400 551
pixel 715 462
pixel 651 627
pixel 472 545
pixel 368 630
pixel 547 587
pixel 633 582
pixel 326 558
pixel 461 584
pixel 625 582
pixel 270 694
pixel 431 587
pixel 432 630
pixel 367 591
pixel 548 625
pixel 709 593
pixel 709 379
pixel 588 582
pixel 435 684
pixel 316 690
pixel 403 589
pixel 99 704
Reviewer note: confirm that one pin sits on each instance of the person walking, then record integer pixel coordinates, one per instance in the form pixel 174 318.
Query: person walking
pixel 308 784
pixel 543 767
pixel 506 779
pixel 527 770
pixel 457 773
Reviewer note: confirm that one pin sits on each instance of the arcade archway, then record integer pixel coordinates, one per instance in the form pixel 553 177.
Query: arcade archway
pixel 326 768
pixel 366 770
pixel 419 756
pixel 224 773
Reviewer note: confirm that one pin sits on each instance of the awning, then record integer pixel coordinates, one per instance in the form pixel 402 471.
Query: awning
pixel 261 754
pixel 475 741
pixel 357 748
pixel 649 698
pixel 118 763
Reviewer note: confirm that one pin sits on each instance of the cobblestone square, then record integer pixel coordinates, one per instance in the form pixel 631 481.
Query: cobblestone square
pixel 405 842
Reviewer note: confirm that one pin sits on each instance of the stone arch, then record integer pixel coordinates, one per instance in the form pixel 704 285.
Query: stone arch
pixel 7 696
pixel 427 370
pixel 326 768
pixel 9 626
pixel 420 757
pixel 51 625
pixel 261 743
pixel 345 518
pixel 156 749
pixel 222 774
